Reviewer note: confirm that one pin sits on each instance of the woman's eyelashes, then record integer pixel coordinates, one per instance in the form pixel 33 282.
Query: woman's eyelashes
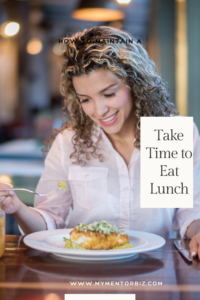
pixel 108 95
pixel 84 101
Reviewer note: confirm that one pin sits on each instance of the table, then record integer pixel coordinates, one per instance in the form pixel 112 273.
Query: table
pixel 30 274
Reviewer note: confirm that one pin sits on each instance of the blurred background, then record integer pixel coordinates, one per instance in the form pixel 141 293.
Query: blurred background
pixel 31 62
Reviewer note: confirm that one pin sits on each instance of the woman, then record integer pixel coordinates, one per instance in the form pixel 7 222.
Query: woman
pixel 107 86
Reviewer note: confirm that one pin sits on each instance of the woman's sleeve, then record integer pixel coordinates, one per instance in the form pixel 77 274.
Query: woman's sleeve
pixel 185 216
pixel 53 208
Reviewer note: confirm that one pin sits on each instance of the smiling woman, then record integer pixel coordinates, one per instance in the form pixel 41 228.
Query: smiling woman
pixel 112 85
pixel 109 104
pixel 107 87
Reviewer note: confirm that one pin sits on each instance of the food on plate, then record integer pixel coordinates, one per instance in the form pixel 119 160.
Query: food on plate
pixel 70 245
pixel 97 236
pixel 62 185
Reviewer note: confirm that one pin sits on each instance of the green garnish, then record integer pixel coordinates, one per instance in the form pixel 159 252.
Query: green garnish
pixel 101 226
pixel 70 245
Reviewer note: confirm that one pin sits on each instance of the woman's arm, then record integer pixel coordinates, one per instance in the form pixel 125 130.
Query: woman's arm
pixel 49 212
pixel 186 216
pixel 29 220
pixel 193 229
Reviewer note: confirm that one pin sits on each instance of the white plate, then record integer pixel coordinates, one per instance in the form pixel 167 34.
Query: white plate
pixel 52 241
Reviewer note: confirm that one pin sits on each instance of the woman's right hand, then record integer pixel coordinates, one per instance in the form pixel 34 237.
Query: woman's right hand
pixel 9 201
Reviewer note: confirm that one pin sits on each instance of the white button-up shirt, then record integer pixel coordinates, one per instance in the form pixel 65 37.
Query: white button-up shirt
pixel 107 190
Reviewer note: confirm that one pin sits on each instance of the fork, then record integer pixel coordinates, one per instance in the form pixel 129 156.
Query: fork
pixel 19 189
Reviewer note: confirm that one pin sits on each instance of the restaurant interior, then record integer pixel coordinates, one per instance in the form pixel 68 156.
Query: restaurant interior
pixel 31 61
pixel 31 107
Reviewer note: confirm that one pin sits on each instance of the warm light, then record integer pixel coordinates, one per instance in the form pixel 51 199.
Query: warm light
pixel 52 296
pixel 123 1
pixel 34 46
pixel 11 28
pixel 6 179
pixel 57 49
pixel 97 14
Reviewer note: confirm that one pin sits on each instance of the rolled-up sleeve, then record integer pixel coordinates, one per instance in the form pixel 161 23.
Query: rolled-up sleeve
pixel 185 216
pixel 55 207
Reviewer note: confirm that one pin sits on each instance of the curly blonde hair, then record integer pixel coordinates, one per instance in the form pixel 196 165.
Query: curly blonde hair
pixel 116 50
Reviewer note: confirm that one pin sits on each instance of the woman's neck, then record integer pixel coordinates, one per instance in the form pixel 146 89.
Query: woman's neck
pixel 127 134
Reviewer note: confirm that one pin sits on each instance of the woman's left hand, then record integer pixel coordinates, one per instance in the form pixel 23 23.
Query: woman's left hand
pixel 195 245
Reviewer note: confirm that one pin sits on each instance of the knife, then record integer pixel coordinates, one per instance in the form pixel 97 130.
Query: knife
pixel 183 251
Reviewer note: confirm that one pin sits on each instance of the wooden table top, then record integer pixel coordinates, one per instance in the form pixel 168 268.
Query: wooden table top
pixel 27 274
